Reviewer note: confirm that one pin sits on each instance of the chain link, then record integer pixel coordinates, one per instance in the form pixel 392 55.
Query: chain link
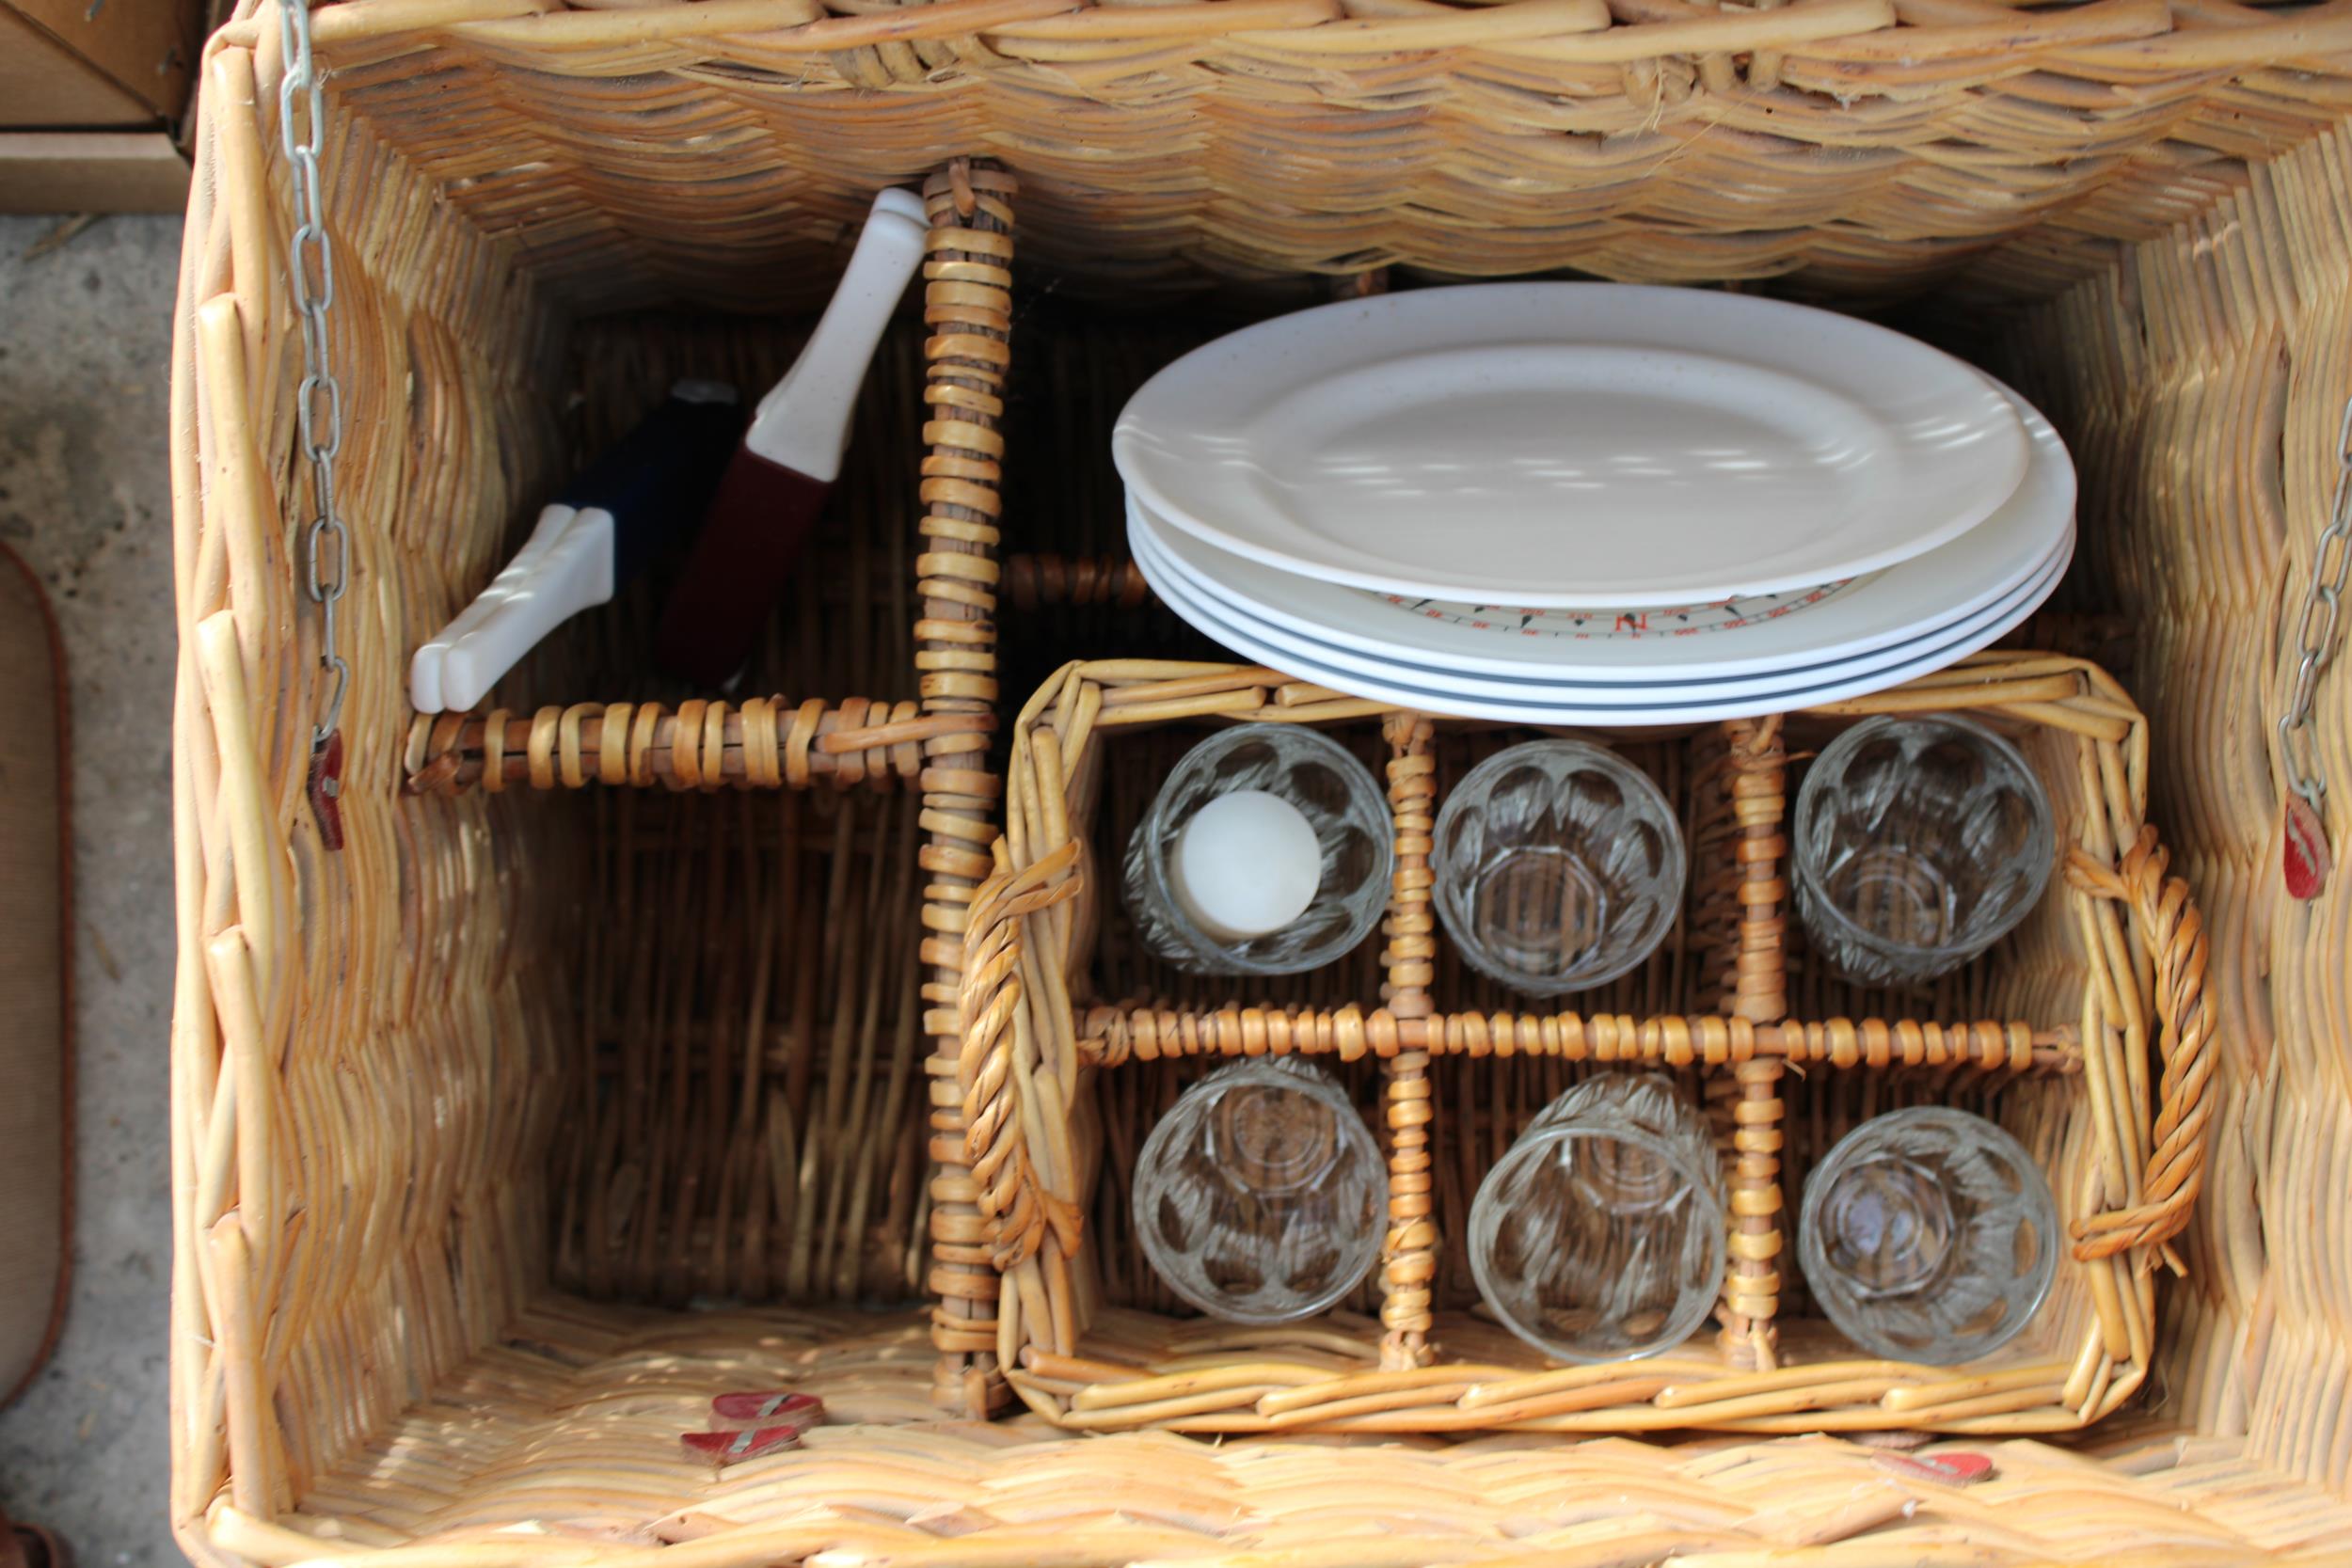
pixel 2315 630
pixel 301 124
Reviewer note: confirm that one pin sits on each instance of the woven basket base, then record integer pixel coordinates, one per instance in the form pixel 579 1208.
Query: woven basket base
pixel 572 1425
pixel 1137 1369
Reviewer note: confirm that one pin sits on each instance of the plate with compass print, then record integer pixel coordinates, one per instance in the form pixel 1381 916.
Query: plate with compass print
pixel 1611 706
pixel 1586 626
pixel 1886 611
pixel 1762 692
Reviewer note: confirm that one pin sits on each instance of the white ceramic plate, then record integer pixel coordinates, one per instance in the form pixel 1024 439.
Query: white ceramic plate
pixel 1570 444
pixel 1562 687
pixel 1609 706
pixel 1883 612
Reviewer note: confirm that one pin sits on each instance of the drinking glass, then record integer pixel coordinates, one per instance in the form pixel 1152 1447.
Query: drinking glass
pixel 1928 1235
pixel 1920 841
pixel 1557 866
pixel 1307 896
pixel 1599 1235
pixel 1261 1196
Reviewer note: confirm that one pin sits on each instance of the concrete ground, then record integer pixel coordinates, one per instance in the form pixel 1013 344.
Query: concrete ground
pixel 85 497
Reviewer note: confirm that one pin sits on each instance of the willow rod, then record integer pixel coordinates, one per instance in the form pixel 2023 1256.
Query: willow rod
pixel 1111 1036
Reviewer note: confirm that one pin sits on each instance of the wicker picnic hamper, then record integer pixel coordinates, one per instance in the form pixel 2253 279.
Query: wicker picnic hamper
pixel 637 1047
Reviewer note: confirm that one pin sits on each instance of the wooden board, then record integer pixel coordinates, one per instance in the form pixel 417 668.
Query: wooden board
pixel 103 65
pixel 91 171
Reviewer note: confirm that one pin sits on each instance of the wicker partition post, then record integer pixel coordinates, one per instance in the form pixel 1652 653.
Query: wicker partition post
pixel 1756 987
pixel 967 307
pixel 1408 1252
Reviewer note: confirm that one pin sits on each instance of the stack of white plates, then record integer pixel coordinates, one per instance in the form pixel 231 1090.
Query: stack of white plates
pixel 1587 503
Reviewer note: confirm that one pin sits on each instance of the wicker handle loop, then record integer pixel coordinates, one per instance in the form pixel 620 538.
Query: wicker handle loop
pixel 1016 1208
pixel 2175 935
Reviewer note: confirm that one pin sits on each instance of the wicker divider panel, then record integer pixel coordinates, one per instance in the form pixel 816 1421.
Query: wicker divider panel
pixel 761 743
pixel 1029 1051
pixel 1408 1264
pixel 2202 383
pixel 1739 899
pixel 1856 143
pixel 356 1209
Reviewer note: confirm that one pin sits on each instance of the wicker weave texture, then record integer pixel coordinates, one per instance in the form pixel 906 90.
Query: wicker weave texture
pixel 613 1041
pixel 682 151
pixel 355 1211
pixel 2202 385
pixel 539 1428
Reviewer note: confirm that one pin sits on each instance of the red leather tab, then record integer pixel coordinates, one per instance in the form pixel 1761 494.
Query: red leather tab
pixel 1943 1469
pixel 326 790
pixel 750 1424
pixel 728 1447
pixel 778 1408
pixel 2307 859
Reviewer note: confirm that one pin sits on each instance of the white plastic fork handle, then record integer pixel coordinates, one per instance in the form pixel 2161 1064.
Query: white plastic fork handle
pixel 803 421
pixel 425 689
pixel 575 574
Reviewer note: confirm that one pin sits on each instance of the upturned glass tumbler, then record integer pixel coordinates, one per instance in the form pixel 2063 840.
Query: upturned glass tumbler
pixel 1557 866
pixel 1261 1195
pixel 1919 842
pixel 1928 1234
pixel 1599 1235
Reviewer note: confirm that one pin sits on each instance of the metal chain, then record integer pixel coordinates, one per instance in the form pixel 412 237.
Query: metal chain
pixel 301 124
pixel 2331 568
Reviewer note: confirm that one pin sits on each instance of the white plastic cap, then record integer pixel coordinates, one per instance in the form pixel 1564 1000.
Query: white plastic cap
pixel 1247 863
pixel 904 202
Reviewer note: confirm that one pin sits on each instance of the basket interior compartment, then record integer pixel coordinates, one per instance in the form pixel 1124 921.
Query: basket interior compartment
pixel 1124 969
pixel 741 1114
pixel 2042 1113
pixel 741 1086
pixel 2036 970
pixel 740 1099
pixel 1129 1103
